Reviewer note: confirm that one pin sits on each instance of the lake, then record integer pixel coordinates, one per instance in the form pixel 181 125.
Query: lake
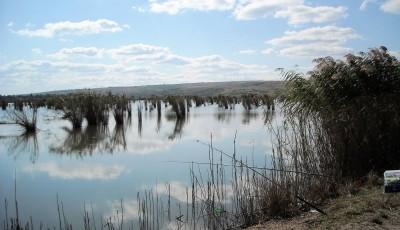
pixel 96 167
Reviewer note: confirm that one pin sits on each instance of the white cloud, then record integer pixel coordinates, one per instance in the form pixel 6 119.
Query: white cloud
pixel 44 75
pixel 49 66
pixel 77 51
pixel 132 64
pixel 126 26
pixel 391 6
pixel 329 34
pixel 37 51
pixel 365 4
pixel 314 50
pixel 77 171
pixel 294 10
pixel 139 9
pixel 63 28
pixel 395 53
pixel 143 52
pixel 254 9
pixel 305 14
pixel 10 24
pixel 248 51
pixel 315 42
pixel 268 51
pixel 127 54
pixel 217 68
pixel 177 6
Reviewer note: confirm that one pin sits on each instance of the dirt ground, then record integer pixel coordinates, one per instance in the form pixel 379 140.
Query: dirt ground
pixel 368 208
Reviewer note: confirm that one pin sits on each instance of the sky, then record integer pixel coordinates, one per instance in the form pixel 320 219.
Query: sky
pixel 54 45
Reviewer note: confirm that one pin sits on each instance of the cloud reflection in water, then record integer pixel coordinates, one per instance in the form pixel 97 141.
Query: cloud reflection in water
pixel 81 171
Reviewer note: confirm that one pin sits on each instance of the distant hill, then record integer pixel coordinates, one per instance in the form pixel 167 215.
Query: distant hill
pixel 192 89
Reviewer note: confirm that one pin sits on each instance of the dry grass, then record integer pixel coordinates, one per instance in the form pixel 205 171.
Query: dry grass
pixel 369 208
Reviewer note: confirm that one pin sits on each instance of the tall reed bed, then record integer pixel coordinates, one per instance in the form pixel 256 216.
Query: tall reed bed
pixel 230 192
pixel 95 108
pixel 354 101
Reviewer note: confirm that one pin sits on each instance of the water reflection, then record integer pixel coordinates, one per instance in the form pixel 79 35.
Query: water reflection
pixel 268 116
pixel 249 115
pixel 99 139
pixel 92 139
pixel 82 142
pixel 118 138
pixel 224 115
pixel 140 122
pixel 157 137
pixel 179 124
pixel 158 118
pixel 26 143
pixel 80 171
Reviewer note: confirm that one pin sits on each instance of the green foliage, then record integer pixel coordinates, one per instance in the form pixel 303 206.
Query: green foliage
pixel 356 101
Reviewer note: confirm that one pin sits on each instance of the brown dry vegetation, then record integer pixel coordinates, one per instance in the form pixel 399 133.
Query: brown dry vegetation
pixel 367 208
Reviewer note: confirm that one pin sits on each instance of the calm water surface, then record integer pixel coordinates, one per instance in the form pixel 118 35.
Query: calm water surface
pixel 100 166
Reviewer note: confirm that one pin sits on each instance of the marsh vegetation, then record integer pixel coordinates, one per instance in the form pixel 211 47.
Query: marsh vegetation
pixel 336 124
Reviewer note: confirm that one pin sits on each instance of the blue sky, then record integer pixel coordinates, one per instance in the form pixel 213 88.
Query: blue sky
pixel 51 45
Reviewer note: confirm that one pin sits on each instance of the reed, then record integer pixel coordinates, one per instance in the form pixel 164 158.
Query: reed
pixel 229 192
pixel 354 102
pixel 121 106
pixel 96 109
pixel 158 105
pixel 25 118
pixel 140 121
pixel 4 105
pixel 73 110
pixel 178 106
